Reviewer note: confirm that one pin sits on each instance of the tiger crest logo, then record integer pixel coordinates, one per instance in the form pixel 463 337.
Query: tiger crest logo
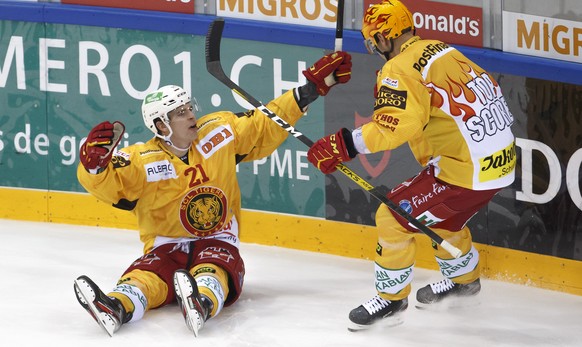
pixel 203 211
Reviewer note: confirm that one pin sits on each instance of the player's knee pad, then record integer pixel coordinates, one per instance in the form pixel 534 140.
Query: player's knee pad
pixel 212 281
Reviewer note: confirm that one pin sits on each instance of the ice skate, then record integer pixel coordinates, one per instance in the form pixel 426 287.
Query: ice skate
pixel 195 307
pixel 377 310
pixel 446 289
pixel 107 311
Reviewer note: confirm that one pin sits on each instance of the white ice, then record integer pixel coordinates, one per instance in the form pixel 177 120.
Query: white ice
pixel 290 298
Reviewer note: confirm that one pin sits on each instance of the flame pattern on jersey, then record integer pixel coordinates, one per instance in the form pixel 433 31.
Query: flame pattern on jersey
pixel 450 111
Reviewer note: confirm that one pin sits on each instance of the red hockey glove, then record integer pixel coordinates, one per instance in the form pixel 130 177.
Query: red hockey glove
pixel 329 70
pixel 331 150
pixel 96 152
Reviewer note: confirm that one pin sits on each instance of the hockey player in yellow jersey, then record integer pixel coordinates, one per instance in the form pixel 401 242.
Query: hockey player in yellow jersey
pixel 181 185
pixel 455 119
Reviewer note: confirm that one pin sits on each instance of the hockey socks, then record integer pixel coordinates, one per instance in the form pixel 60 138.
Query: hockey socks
pixel 132 299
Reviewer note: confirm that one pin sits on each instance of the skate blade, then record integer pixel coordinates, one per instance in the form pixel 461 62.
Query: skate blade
pixel 452 303
pixel 387 322
pixel 86 295
pixel 184 289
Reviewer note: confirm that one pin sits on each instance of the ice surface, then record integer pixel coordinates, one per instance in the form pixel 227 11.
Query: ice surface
pixel 290 298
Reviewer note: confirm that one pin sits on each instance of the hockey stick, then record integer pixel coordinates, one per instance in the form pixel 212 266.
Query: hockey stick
pixel 214 67
pixel 339 26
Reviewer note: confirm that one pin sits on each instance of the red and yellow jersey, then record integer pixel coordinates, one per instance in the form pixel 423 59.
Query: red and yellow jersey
pixel 450 111
pixel 173 200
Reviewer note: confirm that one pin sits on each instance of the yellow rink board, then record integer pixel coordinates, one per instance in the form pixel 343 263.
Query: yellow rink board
pixel 299 232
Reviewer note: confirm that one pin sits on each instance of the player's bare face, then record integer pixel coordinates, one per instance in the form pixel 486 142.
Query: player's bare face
pixel 183 124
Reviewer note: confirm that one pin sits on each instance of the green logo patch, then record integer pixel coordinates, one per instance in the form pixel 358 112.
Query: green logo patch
pixel 153 97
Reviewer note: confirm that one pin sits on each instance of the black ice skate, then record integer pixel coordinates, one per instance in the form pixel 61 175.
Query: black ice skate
pixel 195 307
pixel 107 311
pixel 363 316
pixel 437 292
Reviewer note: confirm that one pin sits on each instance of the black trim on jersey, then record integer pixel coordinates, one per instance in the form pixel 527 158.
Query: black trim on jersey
pixel 349 141
pixel 124 204
pixel 248 113
pixel 306 94
pixel 239 157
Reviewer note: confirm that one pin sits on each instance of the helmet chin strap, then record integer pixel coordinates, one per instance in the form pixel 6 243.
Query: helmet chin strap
pixel 168 140
pixel 387 54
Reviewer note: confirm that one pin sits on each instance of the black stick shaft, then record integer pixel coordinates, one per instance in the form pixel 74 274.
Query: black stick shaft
pixel 214 67
pixel 339 26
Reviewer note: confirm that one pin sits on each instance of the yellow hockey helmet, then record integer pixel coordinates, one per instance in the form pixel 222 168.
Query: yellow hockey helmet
pixel 390 18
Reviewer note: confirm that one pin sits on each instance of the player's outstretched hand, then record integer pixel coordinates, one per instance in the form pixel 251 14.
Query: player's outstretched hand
pixel 331 150
pixel 97 150
pixel 329 70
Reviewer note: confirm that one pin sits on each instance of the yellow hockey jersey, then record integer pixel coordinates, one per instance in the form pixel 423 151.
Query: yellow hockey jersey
pixel 450 111
pixel 173 200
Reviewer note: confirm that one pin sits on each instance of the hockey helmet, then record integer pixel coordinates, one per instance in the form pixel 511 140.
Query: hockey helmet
pixel 156 105
pixel 390 18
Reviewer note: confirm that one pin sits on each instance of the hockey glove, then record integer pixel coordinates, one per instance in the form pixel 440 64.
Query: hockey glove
pixel 329 70
pixel 97 150
pixel 331 150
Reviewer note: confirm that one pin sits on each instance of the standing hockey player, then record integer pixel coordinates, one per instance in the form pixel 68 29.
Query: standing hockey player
pixel 182 187
pixel 454 118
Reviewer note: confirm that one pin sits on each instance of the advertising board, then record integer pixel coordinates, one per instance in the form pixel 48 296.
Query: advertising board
pixel 178 6
pixel 317 13
pixel 542 36
pixel 58 81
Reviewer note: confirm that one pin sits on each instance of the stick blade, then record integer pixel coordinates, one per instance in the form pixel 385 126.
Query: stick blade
pixel 213 38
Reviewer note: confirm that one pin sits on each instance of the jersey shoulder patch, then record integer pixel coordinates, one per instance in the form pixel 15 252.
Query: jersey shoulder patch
pixel 390 97
pixel 214 140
